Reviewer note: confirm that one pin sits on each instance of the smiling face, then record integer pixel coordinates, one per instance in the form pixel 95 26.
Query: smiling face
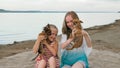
pixel 69 21
pixel 53 35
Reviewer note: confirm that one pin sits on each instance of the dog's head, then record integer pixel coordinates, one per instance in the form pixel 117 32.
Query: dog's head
pixel 77 26
pixel 76 23
pixel 46 31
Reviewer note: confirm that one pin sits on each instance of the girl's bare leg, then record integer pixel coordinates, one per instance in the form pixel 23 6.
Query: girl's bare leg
pixel 42 64
pixel 52 62
pixel 66 66
pixel 78 65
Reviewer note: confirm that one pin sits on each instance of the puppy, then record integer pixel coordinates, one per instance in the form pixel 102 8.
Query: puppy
pixel 46 32
pixel 77 42
pixel 41 50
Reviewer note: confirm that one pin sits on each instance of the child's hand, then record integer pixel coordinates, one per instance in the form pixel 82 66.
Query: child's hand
pixel 41 37
pixel 73 33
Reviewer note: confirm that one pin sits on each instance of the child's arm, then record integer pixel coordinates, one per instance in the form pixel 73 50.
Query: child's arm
pixel 53 47
pixel 88 46
pixel 37 43
pixel 87 38
pixel 66 43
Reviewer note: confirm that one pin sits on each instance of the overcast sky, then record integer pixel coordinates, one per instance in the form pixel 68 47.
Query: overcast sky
pixel 76 5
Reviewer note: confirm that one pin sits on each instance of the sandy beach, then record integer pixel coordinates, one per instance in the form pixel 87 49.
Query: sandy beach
pixel 105 53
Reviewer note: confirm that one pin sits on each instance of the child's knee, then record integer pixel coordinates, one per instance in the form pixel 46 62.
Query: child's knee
pixel 42 61
pixel 42 64
pixel 52 59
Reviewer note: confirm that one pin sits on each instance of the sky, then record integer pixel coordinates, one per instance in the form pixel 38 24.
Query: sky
pixel 61 5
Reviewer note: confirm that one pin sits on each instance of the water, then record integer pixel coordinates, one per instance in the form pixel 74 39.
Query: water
pixel 26 26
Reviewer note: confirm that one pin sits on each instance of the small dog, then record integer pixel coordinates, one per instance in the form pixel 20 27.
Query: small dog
pixel 77 42
pixel 46 32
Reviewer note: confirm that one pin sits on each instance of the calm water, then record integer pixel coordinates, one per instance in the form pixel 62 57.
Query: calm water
pixel 26 26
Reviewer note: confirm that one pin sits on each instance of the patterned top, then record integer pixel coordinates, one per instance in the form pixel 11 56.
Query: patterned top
pixel 46 55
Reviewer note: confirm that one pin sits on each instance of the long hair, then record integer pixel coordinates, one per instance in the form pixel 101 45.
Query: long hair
pixel 65 29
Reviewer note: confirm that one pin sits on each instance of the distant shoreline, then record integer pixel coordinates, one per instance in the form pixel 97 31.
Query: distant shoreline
pixel 50 11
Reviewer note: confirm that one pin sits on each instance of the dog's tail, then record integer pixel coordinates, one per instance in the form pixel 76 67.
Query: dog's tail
pixel 35 57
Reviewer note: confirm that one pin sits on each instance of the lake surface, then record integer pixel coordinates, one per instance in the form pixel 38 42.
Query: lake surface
pixel 26 26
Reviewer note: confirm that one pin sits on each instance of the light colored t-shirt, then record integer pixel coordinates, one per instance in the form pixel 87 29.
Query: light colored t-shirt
pixel 84 46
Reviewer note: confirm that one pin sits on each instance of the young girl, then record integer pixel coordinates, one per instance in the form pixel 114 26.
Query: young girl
pixel 47 57
pixel 76 57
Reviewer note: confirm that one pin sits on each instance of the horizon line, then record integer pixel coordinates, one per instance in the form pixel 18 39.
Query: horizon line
pixel 51 11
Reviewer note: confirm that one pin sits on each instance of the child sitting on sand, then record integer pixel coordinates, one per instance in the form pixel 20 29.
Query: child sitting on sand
pixel 49 48
pixel 74 55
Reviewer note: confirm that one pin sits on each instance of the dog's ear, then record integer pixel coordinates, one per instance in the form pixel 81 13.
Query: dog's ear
pixel 77 21
pixel 47 30
pixel 42 33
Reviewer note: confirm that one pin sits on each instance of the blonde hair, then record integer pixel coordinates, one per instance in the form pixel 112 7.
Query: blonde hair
pixel 65 29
